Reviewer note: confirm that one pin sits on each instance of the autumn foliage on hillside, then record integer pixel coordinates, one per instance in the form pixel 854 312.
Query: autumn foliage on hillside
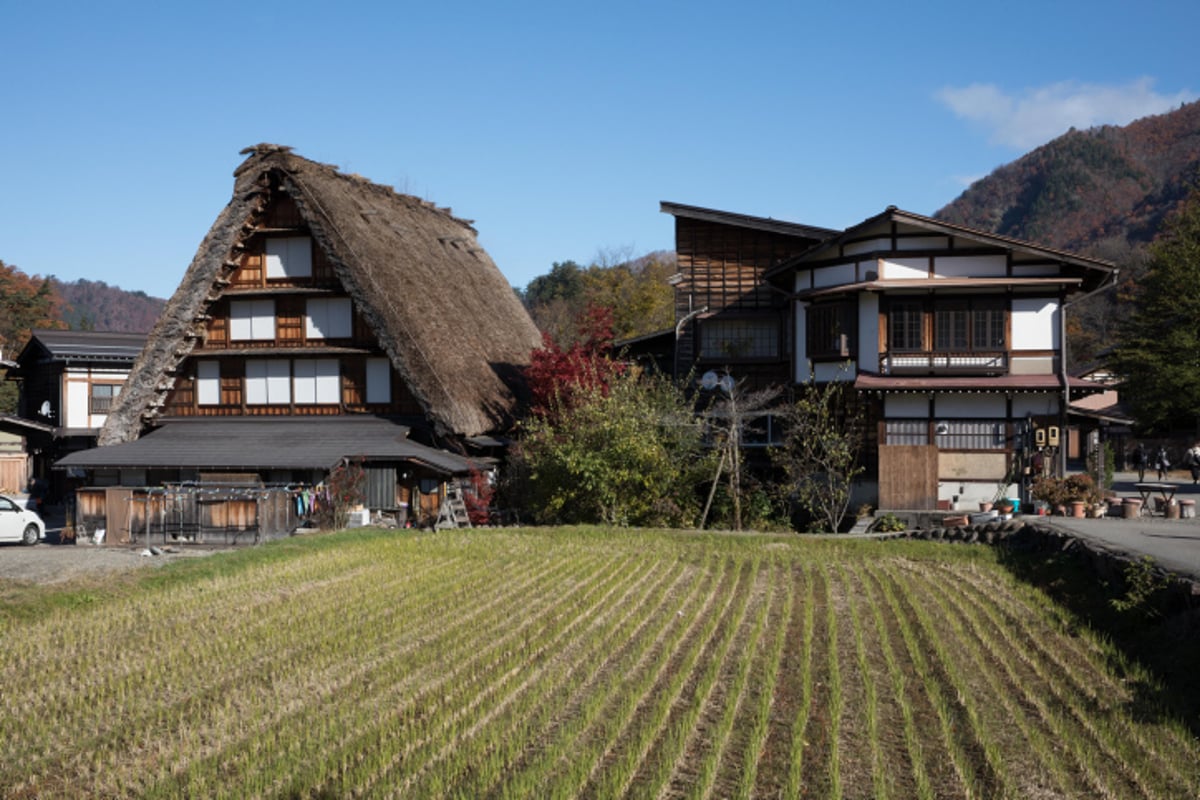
pixel 26 302
pixel 1085 187
pixel 637 291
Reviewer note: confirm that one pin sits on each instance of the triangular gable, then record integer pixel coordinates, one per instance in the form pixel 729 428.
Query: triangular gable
pixel 447 319
pixel 899 231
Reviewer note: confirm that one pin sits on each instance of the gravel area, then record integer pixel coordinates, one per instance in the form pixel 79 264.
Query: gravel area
pixel 51 563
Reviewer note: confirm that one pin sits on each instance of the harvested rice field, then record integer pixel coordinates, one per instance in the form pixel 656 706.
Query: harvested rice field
pixel 574 663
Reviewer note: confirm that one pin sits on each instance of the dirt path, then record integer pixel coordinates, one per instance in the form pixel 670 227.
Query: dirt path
pixel 49 563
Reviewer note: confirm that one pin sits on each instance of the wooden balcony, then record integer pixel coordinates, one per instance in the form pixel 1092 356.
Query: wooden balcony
pixel 978 362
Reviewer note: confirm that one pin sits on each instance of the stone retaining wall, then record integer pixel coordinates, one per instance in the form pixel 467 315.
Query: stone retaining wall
pixel 1024 536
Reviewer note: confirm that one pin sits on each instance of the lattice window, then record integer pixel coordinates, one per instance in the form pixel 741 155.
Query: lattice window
pixel 739 338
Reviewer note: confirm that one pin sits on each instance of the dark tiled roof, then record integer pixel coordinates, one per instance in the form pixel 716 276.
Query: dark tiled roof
pixel 96 345
pixel 747 221
pixel 288 443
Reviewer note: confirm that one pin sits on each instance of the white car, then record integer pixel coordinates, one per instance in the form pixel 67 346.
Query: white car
pixel 19 524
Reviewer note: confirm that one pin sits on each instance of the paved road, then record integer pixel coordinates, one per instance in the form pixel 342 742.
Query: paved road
pixel 1173 543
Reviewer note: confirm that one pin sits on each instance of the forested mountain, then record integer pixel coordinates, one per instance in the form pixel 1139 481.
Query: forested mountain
pixel 94 305
pixel 1102 192
pixel 1088 186
pixel 31 301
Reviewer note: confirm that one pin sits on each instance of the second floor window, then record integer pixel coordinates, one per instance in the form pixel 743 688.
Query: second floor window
pixel 977 325
pixel 252 320
pixel 959 325
pixel 103 395
pixel 905 326
pixel 739 338
pixel 289 257
pixel 329 318
pixel 831 330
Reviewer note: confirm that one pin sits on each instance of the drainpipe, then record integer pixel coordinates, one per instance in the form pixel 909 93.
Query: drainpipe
pixel 679 330
pixel 1066 384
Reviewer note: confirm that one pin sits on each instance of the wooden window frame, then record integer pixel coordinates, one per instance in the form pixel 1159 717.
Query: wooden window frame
pixel 831 330
pixel 720 339
pixel 102 403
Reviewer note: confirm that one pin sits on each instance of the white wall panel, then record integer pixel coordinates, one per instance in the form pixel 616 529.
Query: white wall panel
pixel 868 246
pixel 835 371
pixel 834 276
pixel 904 268
pixel 971 266
pixel 923 243
pixel 970 405
pixel 1034 323
pixel 77 414
pixel 906 405
pixel 868 331
pixel 802 366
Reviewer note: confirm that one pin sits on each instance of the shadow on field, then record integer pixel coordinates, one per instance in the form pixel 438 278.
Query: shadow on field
pixel 1149 618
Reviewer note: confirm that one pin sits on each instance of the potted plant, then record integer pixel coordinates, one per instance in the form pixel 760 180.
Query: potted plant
pixel 1081 492
pixel 1049 490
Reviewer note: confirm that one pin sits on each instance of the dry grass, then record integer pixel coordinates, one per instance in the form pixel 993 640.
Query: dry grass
pixel 561 663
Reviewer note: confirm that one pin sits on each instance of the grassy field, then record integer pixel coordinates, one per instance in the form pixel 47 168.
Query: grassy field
pixel 574 663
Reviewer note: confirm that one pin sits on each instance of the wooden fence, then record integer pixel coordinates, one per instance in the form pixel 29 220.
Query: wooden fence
pixel 186 514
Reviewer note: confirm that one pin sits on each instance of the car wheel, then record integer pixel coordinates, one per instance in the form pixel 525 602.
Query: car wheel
pixel 31 534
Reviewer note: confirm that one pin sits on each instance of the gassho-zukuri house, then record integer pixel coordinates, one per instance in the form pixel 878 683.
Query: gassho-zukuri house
pixel 323 318
pixel 954 339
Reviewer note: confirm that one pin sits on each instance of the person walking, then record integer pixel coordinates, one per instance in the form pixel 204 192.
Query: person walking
pixel 1140 459
pixel 1191 460
pixel 1161 463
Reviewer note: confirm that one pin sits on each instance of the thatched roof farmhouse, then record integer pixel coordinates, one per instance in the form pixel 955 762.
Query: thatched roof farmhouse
pixel 443 313
pixel 322 297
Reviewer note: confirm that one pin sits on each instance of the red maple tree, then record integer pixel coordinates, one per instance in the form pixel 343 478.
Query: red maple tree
pixel 557 375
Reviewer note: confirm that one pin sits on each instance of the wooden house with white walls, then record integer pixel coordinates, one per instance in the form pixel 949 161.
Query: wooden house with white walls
pixel 68 383
pixel 324 317
pixel 954 337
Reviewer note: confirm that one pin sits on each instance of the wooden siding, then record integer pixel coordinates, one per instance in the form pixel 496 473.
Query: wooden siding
pixel 14 473
pixel 721 268
pixel 182 401
pixel 291 313
pixel 908 477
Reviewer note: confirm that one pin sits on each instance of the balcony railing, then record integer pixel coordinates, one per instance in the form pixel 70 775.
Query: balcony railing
pixel 957 362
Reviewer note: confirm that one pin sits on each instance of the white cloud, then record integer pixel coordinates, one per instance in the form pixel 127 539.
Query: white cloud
pixel 966 180
pixel 1039 114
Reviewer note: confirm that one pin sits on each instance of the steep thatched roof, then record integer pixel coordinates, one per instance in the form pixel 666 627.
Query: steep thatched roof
pixel 447 318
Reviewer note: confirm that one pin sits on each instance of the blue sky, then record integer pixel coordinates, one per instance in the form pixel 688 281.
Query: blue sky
pixel 556 126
